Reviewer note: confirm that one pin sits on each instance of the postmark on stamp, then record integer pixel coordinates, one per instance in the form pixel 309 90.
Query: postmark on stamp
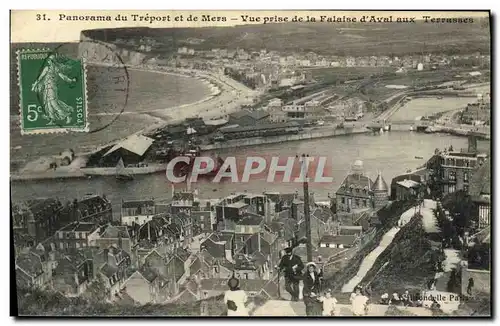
pixel 52 92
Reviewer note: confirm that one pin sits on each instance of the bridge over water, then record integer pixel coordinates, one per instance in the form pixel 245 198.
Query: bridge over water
pixel 399 125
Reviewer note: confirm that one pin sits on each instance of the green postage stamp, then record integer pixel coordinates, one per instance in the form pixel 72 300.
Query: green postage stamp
pixel 52 91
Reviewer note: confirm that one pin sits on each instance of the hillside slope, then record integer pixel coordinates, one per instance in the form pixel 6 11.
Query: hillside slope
pixel 358 39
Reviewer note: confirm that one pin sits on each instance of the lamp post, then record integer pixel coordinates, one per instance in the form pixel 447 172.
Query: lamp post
pixel 307 214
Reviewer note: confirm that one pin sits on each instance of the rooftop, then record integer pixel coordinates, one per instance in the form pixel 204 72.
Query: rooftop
pixel 408 183
pixel 79 227
pixel 113 231
pixel 338 239
pixel 380 184
pixel 251 219
pixel 267 126
pixel 137 203
pixel 356 181
pixel 136 144
pixel 238 204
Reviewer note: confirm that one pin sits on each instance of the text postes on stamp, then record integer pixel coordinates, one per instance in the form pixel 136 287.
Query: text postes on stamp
pixel 52 92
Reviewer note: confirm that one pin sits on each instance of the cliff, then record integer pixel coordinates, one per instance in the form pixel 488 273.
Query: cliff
pixel 99 51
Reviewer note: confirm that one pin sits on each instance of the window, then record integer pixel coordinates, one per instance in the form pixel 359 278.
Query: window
pixel 364 202
pixel 452 176
pixel 451 189
pixel 357 202
pixel 466 176
pixel 61 244
pixel 60 235
pixel 466 188
pixel 342 200
pixel 246 276
pixel 77 245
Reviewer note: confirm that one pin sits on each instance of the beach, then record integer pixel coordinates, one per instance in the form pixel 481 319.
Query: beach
pixel 144 112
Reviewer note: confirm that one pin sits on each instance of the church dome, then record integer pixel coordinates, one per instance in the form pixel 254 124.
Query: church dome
pixel 358 164
pixel 357 167
pixel 380 184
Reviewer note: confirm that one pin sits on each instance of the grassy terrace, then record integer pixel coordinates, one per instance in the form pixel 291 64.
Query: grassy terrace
pixel 388 217
pixel 406 264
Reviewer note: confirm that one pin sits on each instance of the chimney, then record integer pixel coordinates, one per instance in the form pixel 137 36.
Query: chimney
pixel 472 142
pixel 74 210
pixel 106 255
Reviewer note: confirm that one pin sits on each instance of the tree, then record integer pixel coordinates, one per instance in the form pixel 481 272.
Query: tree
pixel 96 291
pixel 461 208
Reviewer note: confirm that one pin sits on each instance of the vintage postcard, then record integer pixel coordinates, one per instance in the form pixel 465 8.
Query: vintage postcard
pixel 253 163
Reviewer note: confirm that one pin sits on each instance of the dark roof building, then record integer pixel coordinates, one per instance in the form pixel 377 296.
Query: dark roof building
pixel 132 150
pixel 248 117
pixel 338 241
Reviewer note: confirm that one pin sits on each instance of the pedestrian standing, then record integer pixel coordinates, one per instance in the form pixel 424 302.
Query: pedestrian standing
pixel 359 303
pixel 235 299
pixel 312 284
pixel 291 265
pixel 329 304
pixel 470 286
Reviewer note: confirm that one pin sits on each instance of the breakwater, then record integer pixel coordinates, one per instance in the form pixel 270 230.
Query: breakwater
pixel 304 135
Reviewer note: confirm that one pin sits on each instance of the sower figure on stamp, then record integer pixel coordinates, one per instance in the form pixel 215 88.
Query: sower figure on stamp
pixel 291 265
pixel 46 86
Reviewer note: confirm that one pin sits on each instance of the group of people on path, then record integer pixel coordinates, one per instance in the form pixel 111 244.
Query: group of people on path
pixel 292 268
pixel 317 301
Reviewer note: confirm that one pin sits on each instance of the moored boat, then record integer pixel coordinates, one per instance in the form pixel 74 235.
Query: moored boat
pixel 121 173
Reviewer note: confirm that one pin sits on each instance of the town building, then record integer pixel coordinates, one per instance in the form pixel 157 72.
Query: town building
pixel 146 286
pixel 406 189
pixel 455 168
pixel 72 274
pixel 75 235
pixel 111 265
pixel 338 241
pixel 182 201
pixel 92 208
pixel 398 190
pixel 32 270
pixel 110 235
pixel 356 191
pixel 42 217
pixel 137 211
pixel 480 192
pixel 245 118
pixel 131 150
pixel 203 219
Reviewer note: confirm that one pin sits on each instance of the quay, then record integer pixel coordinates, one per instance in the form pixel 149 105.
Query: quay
pixel 315 133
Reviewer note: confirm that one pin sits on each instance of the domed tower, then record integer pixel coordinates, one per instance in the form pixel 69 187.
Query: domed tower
pixel 380 192
pixel 357 168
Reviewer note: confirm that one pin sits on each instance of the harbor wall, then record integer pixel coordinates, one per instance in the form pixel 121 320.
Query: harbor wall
pixel 305 135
